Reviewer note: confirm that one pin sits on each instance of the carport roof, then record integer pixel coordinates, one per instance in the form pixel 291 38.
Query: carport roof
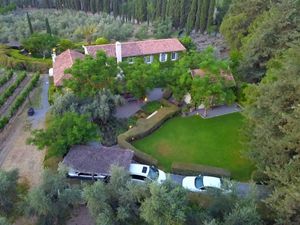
pixel 97 159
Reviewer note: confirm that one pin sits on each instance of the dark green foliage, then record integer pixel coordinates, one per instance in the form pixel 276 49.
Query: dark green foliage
pixel 151 107
pixel 100 108
pixel 166 205
pixel 162 29
pixel 29 23
pixel 90 75
pixel 63 132
pixel 40 44
pixel 8 191
pixel 52 201
pixel 273 133
pixel 48 29
pixel 8 8
pixel 4 221
pixel 191 17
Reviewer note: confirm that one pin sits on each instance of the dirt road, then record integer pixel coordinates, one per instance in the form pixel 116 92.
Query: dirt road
pixel 14 152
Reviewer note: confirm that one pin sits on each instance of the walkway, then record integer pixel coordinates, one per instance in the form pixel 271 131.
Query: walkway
pixel 217 111
pixel 130 108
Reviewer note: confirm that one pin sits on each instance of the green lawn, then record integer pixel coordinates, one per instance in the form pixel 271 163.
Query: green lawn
pixel 215 142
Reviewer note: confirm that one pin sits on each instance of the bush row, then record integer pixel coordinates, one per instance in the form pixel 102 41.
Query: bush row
pixel 143 128
pixel 9 59
pixel 6 77
pixel 19 100
pixel 188 169
pixel 10 90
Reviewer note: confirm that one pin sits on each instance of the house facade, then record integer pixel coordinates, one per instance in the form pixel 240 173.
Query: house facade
pixel 162 50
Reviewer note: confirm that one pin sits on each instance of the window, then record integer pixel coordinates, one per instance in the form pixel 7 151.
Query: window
pixel 131 60
pixel 148 59
pixel 174 56
pixel 138 177
pixel 163 57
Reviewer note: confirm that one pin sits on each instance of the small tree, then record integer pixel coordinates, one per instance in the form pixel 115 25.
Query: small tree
pixel 115 203
pixel 101 41
pixel 166 205
pixel 48 29
pixel 52 201
pixel 29 23
pixel 40 44
pixel 63 132
pixel 8 190
pixel 90 75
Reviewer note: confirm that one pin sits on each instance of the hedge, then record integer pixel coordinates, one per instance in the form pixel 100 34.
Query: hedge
pixel 6 77
pixel 19 100
pixel 143 128
pixel 188 169
pixel 10 90
pixel 12 59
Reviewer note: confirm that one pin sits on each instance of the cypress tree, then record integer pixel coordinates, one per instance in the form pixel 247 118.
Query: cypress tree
pixel 29 23
pixel 204 15
pixel 48 26
pixel 198 15
pixel 184 10
pixel 191 17
pixel 210 19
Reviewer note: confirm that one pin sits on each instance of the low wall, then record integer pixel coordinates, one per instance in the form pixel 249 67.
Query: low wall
pixel 145 127
pixel 188 169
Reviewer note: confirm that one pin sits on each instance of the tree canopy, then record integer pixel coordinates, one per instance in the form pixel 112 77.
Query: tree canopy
pixel 274 133
pixel 90 75
pixel 63 132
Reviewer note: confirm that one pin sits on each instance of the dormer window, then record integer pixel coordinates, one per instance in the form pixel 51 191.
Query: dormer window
pixel 174 56
pixel 163 57
pixel 148 59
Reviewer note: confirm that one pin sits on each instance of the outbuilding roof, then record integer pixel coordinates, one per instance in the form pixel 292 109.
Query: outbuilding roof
pixel 62 62
pixel 201 73
pixel 97 159
pixel 139 48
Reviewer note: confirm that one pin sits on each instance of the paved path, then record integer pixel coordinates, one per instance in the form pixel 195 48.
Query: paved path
pixel 217 111
pixel 130 108
pixel 42 109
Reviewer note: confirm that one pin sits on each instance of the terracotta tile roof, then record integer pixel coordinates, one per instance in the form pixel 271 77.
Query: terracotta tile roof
pixel 139 48
pixel 97 159
pixel 201 73
pixel 62 62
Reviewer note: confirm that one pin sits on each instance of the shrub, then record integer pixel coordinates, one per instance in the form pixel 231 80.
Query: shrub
pixel 101 41
pixel 151 107
pixel 259 177
pixel 3 121
pixel 10 90
pixel 194 169
pixel 6 77
pixel 143 128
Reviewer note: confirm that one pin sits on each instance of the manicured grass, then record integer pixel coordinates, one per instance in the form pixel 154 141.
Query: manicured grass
pixel 215 142
pixel 151 107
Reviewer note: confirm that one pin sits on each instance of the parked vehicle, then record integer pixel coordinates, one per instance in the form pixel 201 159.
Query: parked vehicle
pixel 143 173
pixel 203 183
pixel 89 176
pixel 30 112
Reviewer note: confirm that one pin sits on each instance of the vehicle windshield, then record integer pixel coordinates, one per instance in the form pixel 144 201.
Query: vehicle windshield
pixel 199 182
pixel 153 173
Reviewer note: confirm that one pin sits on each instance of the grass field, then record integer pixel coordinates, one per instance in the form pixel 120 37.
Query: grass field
pixel 215 142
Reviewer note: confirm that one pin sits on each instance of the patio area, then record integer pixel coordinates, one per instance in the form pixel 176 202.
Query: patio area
pixel 217 111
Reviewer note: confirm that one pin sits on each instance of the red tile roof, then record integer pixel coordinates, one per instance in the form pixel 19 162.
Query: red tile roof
pixel 62 62
pixel 139 48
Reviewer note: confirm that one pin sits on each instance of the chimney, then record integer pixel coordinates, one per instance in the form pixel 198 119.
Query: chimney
pixel 118 52
pixel 53 55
